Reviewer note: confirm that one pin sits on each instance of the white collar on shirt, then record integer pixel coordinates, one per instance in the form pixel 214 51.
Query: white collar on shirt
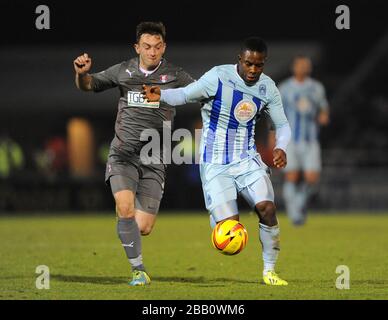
pixel 148 72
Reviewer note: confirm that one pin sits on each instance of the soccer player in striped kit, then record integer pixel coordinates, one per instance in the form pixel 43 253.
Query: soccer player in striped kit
pixel 307 109
pixel 233 96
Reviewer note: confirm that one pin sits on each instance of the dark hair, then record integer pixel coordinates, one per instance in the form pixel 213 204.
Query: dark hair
pixel 154 28
pixel 254 44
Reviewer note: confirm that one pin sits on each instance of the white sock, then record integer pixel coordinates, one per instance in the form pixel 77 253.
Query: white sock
pixel 213 222
pixel 269 238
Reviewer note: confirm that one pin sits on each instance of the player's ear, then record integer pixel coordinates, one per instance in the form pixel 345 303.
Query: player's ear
pixel 239 58
pixel 137 48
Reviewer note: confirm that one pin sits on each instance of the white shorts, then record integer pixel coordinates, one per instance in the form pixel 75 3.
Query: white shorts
pixel 222 183
pixel 303 156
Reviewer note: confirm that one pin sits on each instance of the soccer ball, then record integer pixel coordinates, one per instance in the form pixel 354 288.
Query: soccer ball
pixel 229 237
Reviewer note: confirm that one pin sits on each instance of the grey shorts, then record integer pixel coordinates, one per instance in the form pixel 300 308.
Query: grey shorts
pixel 147 182
pixel 304 156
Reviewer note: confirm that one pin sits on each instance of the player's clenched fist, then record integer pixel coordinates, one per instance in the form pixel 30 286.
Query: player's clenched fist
pixel 82 64
pixel 151 93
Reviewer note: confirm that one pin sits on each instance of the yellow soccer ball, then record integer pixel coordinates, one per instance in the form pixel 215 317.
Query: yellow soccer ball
pixel 229 237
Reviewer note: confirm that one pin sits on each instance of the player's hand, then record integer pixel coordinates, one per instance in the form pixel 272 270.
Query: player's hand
pixel 323 118
pixel 151 93
pixel 279 158
pixel 82 64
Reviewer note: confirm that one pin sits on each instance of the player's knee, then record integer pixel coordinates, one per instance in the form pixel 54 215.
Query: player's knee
pixel 311 177
pixel 125 210
pixel 292 176
pixel 312 180
pixel 145 230
pixel 267 213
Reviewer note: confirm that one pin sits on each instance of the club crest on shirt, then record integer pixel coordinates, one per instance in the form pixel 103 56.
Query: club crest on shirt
pixel 209 199
pixel 262 89
pixel 163 78
pixel 245 111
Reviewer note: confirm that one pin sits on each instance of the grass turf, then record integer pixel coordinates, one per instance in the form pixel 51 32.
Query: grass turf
pixel 86 260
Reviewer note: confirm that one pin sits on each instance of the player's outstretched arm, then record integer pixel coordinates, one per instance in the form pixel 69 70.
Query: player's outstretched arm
pixel 82 65
pixel 173 97
pixel 194 92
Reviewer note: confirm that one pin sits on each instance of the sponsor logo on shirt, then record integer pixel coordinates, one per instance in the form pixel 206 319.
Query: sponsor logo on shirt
pixel 303 104
pixel 245 111
pixel 135 99
pixel 129 72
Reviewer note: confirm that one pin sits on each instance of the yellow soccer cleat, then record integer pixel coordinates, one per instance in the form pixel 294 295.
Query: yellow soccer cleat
pixel 140 278
pixel 272 279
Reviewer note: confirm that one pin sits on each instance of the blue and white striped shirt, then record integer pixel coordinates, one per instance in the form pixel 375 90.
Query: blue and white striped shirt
pixel 229 112
pixel 302 103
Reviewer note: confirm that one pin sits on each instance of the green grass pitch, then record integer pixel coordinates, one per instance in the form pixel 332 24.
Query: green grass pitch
pixel 86 260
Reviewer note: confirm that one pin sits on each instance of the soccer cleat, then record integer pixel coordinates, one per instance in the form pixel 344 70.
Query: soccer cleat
pixel 140 278
pixel 272 279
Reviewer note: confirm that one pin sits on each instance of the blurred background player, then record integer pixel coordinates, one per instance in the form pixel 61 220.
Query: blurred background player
pixel 233 95
pixel 307 109
pixel 137 188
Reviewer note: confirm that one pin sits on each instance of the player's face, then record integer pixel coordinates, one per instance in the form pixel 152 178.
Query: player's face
pixel 301 67
pixel 150 49
pixel 251 65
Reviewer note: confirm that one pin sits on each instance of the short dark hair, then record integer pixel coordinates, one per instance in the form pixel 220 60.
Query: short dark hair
pixel 154 28
pixel 254 44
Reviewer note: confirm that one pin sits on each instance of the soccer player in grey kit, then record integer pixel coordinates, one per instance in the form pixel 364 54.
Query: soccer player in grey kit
pixel 137 187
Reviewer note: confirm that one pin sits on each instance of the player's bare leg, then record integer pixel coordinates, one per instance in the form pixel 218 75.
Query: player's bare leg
pixel 269 238
pixel 145 221
pixel 129 234
pixel 125 203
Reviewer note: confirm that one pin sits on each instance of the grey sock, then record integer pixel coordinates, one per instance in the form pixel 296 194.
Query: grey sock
pixel 292 201
pixel 129 234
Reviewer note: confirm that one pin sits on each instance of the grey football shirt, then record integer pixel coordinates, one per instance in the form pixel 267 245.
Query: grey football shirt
pixel 134 113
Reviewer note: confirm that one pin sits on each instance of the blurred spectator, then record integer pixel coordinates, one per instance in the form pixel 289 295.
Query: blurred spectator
pixel 103 152
pixel 52 160
pixel 11 157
